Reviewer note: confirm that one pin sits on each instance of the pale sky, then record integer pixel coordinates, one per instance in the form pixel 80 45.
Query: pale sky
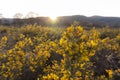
pixel 54 8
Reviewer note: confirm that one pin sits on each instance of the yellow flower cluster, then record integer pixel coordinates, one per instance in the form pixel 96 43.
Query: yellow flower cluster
pixel 49 53
pixel 51 76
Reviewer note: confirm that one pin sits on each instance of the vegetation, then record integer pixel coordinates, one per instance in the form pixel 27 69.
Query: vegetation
pixel 53 53
pixel 62 21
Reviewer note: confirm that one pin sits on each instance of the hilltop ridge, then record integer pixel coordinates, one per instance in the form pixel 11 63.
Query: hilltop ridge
pixel 96 21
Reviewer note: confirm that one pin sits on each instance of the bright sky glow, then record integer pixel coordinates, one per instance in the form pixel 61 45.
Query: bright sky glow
pixel 54 8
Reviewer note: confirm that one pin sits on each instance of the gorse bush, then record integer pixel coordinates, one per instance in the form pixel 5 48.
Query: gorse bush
pixel 52 53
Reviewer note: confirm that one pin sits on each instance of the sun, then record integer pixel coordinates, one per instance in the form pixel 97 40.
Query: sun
pixel 53 18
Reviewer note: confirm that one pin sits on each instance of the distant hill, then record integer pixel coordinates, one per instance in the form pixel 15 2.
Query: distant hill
pixel 94 21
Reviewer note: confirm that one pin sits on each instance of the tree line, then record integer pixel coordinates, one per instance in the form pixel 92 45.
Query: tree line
pixel 94 21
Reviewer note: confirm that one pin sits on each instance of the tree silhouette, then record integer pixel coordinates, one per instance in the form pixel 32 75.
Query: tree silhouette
pixel 18 15
pixel 31 15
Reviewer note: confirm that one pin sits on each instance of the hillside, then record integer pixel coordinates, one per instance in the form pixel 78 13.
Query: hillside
pixel 96 21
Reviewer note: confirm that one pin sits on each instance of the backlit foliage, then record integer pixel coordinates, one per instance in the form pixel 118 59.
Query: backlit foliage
pixel 50 53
